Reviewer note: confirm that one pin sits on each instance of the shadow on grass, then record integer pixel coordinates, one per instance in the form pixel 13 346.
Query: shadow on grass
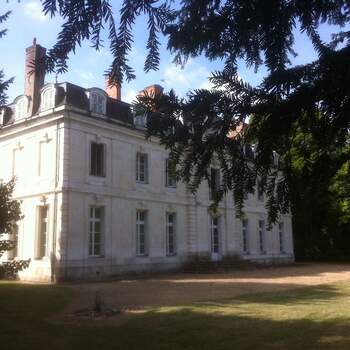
pixel 321 294
pixel 308 318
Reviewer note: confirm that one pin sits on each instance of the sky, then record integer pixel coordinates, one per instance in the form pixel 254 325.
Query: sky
pixel 87 66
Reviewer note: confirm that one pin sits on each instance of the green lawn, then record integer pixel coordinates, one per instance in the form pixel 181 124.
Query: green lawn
pixel 309 318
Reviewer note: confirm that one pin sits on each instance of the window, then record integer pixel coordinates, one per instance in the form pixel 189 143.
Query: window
pixel 141 244
pixel 215 245
pixel 97 161
pixel 262 236
pixel 42 241
pixel 260 191
pixel 48 98
pixel 141 167
pixel 281 236
pixel 141 120
pixel 2 116
pixel 214 182
pixel 13 253
pixel 170 234
pixel 96 228
pixel 170 177
pixel 18 165
pixel 21 108
pixel 98 102
pixel 245 236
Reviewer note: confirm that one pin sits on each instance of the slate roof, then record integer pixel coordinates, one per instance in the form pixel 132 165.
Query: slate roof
pixel 76 96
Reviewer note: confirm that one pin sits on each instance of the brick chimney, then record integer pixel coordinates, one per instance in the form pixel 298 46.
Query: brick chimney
pixel 113 91
pixel 34 75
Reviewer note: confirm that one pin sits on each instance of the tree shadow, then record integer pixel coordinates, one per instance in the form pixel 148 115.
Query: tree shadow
pixel 320 294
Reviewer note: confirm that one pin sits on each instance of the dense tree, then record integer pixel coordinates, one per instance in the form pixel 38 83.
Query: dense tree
pixel 195 129
pixel 4 84
pixel 302 112
pixel 10 213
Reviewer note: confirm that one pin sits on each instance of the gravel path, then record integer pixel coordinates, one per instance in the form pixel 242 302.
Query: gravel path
pixel 178 289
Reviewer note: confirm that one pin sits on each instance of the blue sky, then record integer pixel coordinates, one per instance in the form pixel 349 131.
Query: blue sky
pixel 87 66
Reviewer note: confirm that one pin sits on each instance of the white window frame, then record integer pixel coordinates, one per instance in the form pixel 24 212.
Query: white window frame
pixel 260 192
pixel 141 234
pixel 170 179
pixel 48 97
pixel 98 101
pixel 141 120
pixel 142 167
pixel 2 116
pixel 245 236
pixel 170 233
pixel 214 187
pixel 99 172
pixel 42 242
pixel 281 237
pixel 261 236
pixel 13 253
pixel 93 233
pixel 215 230
pixel 21 108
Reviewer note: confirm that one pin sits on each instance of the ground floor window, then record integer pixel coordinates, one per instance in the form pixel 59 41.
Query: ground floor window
pixel 281 236
pixel 96 228
pixel 262 236
pixel 141 239
pixel 245 247
pixel 215 239
pixel 170 233
pixel 13 253
pixel 42 232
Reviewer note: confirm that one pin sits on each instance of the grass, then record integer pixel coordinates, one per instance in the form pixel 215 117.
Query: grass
pixel 308 318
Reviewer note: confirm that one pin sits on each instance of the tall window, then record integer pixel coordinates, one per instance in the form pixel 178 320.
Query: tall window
pixel 170 233
pixel 47 99
pixel 215 239
pixel 96 228
pixel 245 247
pixel 214 182
pixel 97 102
pixel 170 176
pixel 141 223
pixel 281 236
pixel 262 236
pixel 260 191
pixel 13 253
pixel 141 167
pixel 97 161
pixel 42 241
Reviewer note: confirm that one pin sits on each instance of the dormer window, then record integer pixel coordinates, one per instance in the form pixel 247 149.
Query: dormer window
pixel 21 107
pixel 2 116
pixel 48 98
pixel 98 101
pixel 141 120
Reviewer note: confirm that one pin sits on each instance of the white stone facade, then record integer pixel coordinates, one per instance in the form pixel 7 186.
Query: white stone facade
pixel 50 154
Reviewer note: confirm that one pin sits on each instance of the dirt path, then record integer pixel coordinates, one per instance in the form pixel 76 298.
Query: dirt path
pixel 177 289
